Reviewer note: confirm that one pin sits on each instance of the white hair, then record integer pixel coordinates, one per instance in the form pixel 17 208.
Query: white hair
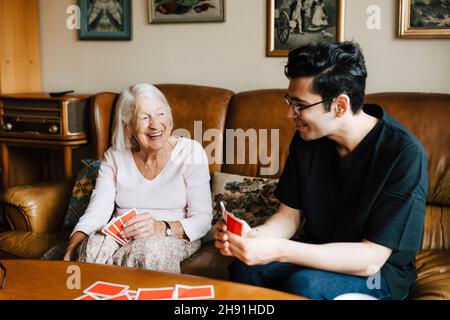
pixel 125 113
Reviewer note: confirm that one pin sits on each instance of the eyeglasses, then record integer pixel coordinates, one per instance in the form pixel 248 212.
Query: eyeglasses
pixel 297 106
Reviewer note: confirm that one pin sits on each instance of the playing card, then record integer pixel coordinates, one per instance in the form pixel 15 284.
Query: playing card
pixel 106 289
pixel 128 216
pixel 194 293
pixel 122 296
pixel 87 297
pixel 132 294
pixel 112 235
pixel 119 227
pixel 155 294
pixel 234 225
pixel 114 230
pixel 224 212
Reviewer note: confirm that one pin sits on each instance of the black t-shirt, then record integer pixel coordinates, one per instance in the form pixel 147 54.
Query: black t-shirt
pixel 377 192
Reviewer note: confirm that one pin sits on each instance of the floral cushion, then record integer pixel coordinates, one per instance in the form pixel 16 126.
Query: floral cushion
pixel 248 198
pixel 81 193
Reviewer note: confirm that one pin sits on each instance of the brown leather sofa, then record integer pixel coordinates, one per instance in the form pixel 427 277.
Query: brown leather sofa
pixel 35 212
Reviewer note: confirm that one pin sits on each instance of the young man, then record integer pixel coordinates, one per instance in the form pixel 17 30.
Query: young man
pixel 355 179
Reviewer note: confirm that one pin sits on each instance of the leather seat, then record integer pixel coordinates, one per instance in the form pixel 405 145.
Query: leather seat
pixel 28 245
pixel 433 281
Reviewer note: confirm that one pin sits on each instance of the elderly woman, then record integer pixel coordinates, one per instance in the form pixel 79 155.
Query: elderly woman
pixel 166 178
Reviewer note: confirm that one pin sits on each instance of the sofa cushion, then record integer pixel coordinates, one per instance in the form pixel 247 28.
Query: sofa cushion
pixel 81 193
pixel 207 262
pixel 29 245
pixel 433 282
pixel 248 198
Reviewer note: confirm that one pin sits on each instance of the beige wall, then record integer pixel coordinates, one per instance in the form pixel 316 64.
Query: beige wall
pixel 229 55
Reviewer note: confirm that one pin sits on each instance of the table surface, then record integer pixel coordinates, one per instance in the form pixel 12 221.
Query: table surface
pixel 48 280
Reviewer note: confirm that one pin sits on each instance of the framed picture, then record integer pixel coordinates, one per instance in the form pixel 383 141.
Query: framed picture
pixel 105 20
pixel 424 18
pixel 292 23
pixel 186 11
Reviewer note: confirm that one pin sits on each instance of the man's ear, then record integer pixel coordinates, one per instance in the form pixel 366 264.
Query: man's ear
pixel 342 105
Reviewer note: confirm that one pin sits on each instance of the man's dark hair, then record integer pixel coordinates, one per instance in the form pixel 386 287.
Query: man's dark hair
pixel 337 68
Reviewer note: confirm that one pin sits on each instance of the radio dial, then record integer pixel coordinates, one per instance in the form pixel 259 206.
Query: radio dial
pixel 53 129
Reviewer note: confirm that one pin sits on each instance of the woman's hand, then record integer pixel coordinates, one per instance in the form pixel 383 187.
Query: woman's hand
pixel 143 226
pixel 75 240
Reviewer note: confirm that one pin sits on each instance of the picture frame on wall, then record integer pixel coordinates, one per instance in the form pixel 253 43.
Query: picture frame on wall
pixel 105 20
pixel 186 11
pixel 293 23
pixel 424 19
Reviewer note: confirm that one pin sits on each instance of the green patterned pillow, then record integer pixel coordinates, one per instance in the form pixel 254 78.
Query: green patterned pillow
pixel 81 193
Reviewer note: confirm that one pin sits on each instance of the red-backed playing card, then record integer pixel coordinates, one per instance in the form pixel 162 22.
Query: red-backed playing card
pixel 122 296
pixel 112 235
pixel 128 216
pixel 132 294
pixel 155 294
pixel 87 297
pixel 234 225
pixel 119 227
pixel 193 293
pixel 106 289
pixel 118 239
pixel 113 229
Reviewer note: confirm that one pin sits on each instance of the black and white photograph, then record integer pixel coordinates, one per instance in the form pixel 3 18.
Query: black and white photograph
pixel 292 23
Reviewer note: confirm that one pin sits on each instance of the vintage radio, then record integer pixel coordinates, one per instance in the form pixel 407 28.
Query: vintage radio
pixel 39 116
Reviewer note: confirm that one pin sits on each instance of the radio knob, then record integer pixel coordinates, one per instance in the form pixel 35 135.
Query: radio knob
pixel 8 126
pixel 53 129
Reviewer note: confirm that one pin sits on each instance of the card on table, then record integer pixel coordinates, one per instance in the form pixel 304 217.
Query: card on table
pixel 132 294
pixel 122 296
pixel 106 289
pixel 155 293
pixel 88 297
pixel 193 293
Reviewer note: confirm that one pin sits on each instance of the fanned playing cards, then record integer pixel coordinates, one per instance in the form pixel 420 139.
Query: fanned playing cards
pixel 115 226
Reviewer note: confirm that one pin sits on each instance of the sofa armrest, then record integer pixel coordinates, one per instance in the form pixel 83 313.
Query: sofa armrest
pixel 38 208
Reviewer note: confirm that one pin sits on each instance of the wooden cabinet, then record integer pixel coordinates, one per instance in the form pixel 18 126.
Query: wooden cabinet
pixel 20 65
pixel 36 121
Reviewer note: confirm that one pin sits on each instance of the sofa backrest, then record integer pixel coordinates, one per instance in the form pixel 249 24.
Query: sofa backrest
pixel 260 117
pixel 427 116
pixel 259 113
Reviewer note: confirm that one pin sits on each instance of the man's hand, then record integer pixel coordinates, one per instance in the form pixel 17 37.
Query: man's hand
pixel 143 226
pixel 253 249
pixel 222 239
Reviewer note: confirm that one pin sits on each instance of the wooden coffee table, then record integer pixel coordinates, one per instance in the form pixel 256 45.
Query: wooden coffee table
pixel 47 280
